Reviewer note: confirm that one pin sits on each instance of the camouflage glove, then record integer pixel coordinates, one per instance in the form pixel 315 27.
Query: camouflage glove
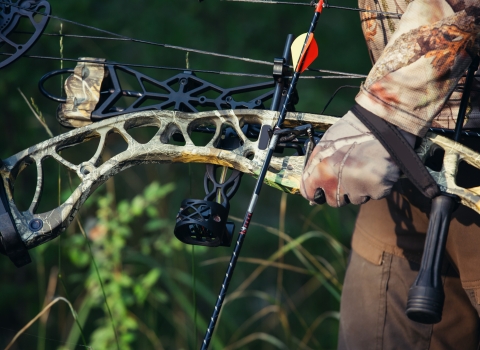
pixel 408 86
pixel 349 165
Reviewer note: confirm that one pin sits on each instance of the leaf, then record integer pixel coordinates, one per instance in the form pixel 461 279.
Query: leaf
pixel 137 205
pixel 79 258
pixel 154 225
pixel 155 191
pixel 160 296
pixel 152 212
pixel 144 287
pixel 123 208
pixel 125 280
pixel 150 191
pixel 151 278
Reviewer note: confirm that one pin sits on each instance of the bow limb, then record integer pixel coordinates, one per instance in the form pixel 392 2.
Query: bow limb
pixel 455 153
pixel 284 174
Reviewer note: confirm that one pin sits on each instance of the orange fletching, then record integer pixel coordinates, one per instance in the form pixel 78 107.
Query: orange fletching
pixel 309 54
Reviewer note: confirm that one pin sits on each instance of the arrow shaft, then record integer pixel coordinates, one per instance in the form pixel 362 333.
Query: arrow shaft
pixel 258 187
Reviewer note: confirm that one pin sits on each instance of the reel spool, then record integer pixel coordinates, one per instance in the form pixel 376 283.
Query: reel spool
pixel 204 222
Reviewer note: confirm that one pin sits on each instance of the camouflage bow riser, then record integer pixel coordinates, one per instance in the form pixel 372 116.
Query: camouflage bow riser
pixel 284 172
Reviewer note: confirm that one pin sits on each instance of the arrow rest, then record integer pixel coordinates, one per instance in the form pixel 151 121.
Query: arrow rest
pixel 16 15
pixel 204 222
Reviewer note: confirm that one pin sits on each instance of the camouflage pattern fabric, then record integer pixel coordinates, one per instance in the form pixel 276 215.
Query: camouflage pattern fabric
pixel 347 150
pixel 425 55
pixel 349 165
pixel 419 61
pixel 83 93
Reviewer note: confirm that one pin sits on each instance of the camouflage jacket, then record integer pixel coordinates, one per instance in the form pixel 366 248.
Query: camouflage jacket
pixel 434 43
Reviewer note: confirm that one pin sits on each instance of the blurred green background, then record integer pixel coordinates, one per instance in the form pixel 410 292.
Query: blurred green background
pixel 159 292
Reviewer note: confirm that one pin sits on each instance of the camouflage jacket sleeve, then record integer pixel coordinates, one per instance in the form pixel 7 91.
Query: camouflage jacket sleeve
pixel 419 61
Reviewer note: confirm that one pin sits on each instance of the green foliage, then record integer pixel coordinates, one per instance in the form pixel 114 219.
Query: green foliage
pixel 124 286
pixel 282 296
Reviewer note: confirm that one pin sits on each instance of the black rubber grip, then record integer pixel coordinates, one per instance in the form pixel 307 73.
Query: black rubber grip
pixel 426 296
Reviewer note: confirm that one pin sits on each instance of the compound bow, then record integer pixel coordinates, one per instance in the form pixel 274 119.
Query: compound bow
pixel 239 129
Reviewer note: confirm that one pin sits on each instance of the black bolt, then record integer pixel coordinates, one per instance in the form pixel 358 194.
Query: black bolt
pixel 35 225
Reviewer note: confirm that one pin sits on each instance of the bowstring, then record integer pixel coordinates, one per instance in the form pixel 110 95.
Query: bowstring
pixel 120 37
pixel 326 5
pixel 340 75
pixel 141 41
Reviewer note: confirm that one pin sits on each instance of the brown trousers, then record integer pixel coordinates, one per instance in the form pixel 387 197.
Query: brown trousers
pixel 372 312
pixel 387 247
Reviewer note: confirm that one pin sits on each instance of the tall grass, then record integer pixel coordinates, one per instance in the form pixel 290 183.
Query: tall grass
pixel 147 281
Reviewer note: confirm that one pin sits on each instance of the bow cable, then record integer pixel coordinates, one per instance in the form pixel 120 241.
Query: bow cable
pixel 325 5
pixel 141 41
pixel 120 37
pixel 340 75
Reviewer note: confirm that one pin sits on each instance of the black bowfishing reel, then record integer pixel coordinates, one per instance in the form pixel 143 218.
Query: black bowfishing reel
pixel 204 222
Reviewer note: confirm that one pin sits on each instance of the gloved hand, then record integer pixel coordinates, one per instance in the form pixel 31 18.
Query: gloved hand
pixel 408 86
pixel 349 165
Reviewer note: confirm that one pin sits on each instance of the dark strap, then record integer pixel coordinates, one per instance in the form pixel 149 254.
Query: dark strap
pixel 400 150
pixel 11 241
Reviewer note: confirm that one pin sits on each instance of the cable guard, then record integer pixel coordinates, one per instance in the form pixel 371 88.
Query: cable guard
pixel 94 92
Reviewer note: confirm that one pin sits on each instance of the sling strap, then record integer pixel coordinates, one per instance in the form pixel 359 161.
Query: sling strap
pixel 400 150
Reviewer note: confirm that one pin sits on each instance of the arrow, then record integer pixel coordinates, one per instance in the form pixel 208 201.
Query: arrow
pixel 305 58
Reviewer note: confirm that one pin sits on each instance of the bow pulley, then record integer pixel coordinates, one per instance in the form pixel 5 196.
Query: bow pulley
pixel 21 15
